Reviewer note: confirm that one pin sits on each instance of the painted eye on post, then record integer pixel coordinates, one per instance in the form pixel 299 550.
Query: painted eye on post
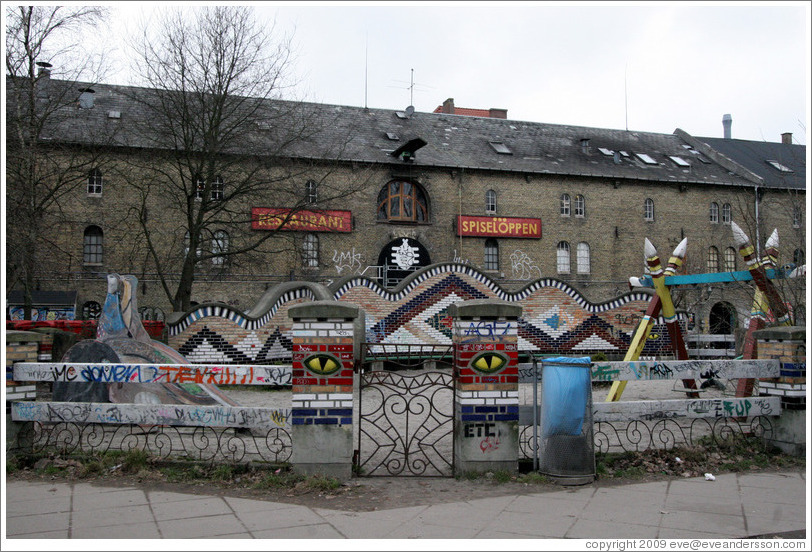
pixel 489 362
pixel 322 365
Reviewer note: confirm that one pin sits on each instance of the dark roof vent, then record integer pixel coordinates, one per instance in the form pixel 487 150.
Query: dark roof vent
pixel 406 152
pixel 44 69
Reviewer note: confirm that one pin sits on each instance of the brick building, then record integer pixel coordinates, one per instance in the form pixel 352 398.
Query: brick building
pixel 516 200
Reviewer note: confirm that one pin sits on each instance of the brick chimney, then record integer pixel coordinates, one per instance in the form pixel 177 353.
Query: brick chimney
pixel 497 113
pixel 786 138
pixel 448 106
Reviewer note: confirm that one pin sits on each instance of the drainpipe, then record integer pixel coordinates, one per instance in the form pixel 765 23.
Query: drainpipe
pixel 758 225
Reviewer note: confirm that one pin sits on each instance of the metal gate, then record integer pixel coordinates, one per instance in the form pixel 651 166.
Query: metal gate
pixel 406 416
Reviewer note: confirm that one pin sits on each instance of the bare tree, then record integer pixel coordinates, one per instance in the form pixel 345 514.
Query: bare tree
pixel 212 81
pixel 40 174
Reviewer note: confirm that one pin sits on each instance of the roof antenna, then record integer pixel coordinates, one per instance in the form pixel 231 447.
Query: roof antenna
pixel 626 95
pixel 366 70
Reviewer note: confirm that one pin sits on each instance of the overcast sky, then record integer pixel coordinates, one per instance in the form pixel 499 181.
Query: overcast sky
pixel 643 66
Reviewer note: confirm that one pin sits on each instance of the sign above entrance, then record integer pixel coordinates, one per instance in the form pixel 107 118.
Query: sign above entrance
pixel 301 221
pixel 498 227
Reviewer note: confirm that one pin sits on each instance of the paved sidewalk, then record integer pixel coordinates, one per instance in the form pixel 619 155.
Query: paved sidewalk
pixel 733 506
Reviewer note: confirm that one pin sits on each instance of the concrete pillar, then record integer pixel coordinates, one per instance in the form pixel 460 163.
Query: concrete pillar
pixel 788 345
pixel 486 402
pixel 326 343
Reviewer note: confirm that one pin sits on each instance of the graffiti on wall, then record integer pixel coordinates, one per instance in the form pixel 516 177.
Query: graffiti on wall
pixel 347 262
pixel 523 267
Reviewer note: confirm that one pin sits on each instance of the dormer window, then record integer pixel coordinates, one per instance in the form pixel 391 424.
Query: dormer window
pixel 500 147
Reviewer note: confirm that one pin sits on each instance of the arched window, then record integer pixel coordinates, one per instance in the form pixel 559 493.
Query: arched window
pixel 310 251
pixel 713 259
pixel 563 257
pixel 94 182
pixel 218 189
pixel 579 207
pixel 730 260
pixel 582 258
pixel 714 212
pixel 565 205
pixel 648 210
pixel 491 254
pixel 490 201
pixel 187 244
pixel 726 214
pixel 797 216
pixel 798 257
pixel 219 247
pixel 312 191
pixel 403 201
pixel 93 246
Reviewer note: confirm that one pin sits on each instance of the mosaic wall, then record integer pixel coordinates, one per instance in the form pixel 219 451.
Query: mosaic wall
pixel 556 319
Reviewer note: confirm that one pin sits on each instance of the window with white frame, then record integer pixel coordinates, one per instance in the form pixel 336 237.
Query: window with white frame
pixel 648 210
pixel 563 257
pixel 200 187
pixel 798 257
pixel 726 213
pixel 565 205
pixel 490 201
pixel 582 258
pixel 714 212
pixel 93 246
pixel 579 206
pixel 310 251
pixel 187 245
pixel 312 191
pixel 218 189
pixel 219 248
pixel 491 254
pixel 94 182
pixel 713 259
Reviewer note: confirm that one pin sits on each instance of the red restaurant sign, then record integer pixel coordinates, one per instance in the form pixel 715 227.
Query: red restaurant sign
pixel 301 221
pixel 503 227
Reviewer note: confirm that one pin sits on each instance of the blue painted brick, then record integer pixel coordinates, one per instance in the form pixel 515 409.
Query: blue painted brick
pixel 467 408
pixel 339 411
pixel 304 412
pixel 326 421
pixel 487 409
pixel 473 418
pixel 505 417
pixel 346 421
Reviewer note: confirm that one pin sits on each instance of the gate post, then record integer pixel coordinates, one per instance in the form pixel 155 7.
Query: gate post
pixel 486 402
pixel 788 345
pixel 326 342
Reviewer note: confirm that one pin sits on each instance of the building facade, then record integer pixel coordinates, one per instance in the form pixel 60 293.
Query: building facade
pixel 515 200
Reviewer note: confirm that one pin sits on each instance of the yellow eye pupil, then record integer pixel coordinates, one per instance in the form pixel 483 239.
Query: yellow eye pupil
pixel 322 364
pixel 488 362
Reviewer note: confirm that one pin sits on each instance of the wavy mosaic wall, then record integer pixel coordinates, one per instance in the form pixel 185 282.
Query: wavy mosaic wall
pixel 556 318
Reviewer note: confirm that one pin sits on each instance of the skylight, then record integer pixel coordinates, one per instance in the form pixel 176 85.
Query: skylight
pixel 779 166
pixel 500 147
pixel 646 158
pixel 679 161
pixel 606 151
pixel 392 136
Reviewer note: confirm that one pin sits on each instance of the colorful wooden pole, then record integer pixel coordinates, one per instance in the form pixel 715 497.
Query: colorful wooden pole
pixel 756 269
pixel 636 346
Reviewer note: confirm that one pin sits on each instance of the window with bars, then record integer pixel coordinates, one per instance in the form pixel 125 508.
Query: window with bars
pixel 563 257
pixel 730 260
pixel 200 187
pixel 714 212
pixel 491 254
pixel 565 205
pixel 648 210
pixel 713 259
pixel 490 201
pixel 94 182
pixel 403 201
pixel 582 258
pixel 310 251
pixel 726 213
pixel 93 246
pixel 579 206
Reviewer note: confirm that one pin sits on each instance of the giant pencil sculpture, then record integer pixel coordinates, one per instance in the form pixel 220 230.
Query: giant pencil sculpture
pixel 759 275
pixel 669 313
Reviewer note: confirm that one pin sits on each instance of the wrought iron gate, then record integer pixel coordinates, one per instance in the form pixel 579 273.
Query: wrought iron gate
pixel 406 423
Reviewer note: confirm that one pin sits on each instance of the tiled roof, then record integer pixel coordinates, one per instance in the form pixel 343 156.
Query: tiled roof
pixel 756 157
pixel 356 134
